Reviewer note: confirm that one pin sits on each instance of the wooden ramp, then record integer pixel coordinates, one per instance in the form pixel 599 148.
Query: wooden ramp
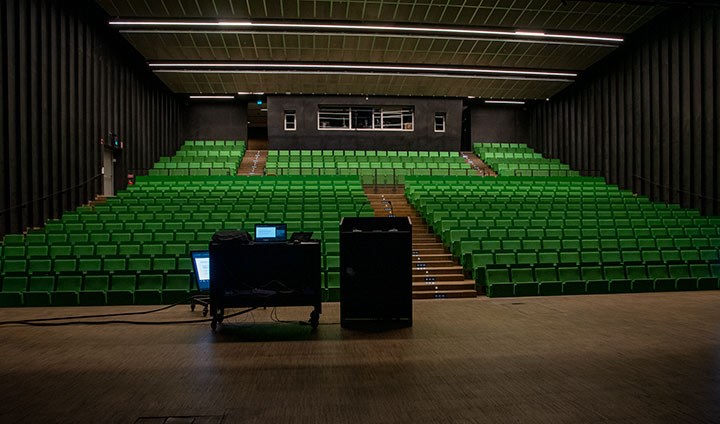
pixel 436 274
pixel 253 162
pixel 481 167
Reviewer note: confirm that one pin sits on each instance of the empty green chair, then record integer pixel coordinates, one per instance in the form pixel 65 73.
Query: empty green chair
pixel 13 289
pixel 122 289
pixel 94 288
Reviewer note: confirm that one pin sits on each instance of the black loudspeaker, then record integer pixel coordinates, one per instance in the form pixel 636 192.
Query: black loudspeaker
pixel 375 272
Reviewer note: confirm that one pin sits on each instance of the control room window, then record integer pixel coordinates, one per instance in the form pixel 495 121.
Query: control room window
pixel 366 118
pixel 290 120
pixel 440 122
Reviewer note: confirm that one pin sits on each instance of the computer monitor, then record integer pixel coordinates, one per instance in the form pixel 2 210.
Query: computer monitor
pixel 270 233
pixel 201 265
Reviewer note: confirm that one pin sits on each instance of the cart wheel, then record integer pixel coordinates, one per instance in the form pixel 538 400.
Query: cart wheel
pixel 205 311
pixel 192 306
pixel 314 319
pixel 213 325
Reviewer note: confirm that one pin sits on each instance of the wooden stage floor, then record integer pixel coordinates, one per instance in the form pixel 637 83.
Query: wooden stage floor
pixel 639 358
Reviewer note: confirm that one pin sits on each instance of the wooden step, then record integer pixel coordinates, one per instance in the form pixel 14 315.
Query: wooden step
pixel 424 278
pixel 444 285
pixel 444 294
pixel 433 264
pixel 434 256
pixel 428 250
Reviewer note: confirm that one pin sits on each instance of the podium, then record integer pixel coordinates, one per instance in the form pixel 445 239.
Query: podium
pixel 375 272
pixel 265 275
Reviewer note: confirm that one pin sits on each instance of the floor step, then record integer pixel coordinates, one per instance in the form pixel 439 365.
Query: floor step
pixel 428 250
pixel 444 294
pixel 423 278
pixel 444 285
pixel 434 264
pixel 436 273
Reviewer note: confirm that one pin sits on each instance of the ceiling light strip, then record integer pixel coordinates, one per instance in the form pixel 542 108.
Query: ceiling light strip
pixel 379 28
pixel 504 102
pixel 202 97
pixel 325 66
pixel 528 40
pixel 391 74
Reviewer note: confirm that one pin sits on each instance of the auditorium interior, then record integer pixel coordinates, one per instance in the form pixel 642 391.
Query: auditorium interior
pixel 381 211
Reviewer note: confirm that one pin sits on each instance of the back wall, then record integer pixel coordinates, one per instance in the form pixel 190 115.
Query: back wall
pixel 308 136
pixel 66 80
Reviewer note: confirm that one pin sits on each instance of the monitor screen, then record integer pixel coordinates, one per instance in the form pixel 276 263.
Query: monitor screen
pixel 201 265
pixel 270 233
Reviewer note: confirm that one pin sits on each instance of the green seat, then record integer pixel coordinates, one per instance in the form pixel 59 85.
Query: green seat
pixel 89 264
pixel 67 290
pixel 94 288
pixel 177 288
pixel 13 288
pixel 38 290
pixel 122 289
pixel 149 289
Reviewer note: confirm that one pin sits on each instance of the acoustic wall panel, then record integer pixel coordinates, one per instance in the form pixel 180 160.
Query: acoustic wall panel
pixel 66 79
pixel 647 117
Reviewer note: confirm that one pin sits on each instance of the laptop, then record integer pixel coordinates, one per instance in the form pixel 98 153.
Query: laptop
pixel 270 233
pixel 201 265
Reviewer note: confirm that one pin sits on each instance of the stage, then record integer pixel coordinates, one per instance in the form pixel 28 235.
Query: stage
pixel 637 358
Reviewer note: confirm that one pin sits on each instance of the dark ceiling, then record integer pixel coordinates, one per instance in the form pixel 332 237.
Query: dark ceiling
pixel 198 47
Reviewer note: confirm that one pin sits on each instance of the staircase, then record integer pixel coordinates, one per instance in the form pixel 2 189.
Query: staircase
pixel 436 275
pixel 253 163
pixel 482 168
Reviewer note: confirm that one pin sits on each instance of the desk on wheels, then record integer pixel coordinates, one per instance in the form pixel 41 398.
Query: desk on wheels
pixel 264 275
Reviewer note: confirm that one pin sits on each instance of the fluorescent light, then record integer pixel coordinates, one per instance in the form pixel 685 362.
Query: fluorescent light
pixel 504 102
pixel 376 28
pixel 178 23
pixel 213 97
pixel 374 74
pixel 470 97
pixel 326 66
pixel 250 93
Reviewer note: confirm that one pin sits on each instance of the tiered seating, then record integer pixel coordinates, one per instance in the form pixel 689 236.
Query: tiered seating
pixel 567 235
pixel 134 249
pixel 372 166
pixel 519 160
pixel 202 158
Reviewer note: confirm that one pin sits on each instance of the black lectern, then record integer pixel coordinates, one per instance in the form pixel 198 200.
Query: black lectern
pixel 375 272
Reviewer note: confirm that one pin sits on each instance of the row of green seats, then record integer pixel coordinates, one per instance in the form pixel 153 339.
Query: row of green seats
pixel 540 225
pixel 208 143
pixel 528 163
pixel 369 165
pixel 378 153
pixel 544 280
pixel 131 234
pixel 95 289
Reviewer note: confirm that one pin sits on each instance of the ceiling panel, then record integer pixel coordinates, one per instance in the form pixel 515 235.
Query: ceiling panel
pixel 554 15
pixel 417 49
pixel 361 49
pixel 360 85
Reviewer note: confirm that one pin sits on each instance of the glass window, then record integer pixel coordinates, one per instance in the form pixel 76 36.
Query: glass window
pixel 439 121
pixel 363 118
pixel 290 120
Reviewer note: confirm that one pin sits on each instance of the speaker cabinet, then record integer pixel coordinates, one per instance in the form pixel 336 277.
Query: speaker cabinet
pixel 375 272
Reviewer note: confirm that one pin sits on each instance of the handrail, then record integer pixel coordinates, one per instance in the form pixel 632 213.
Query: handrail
pixel 30 202
pixel 676 190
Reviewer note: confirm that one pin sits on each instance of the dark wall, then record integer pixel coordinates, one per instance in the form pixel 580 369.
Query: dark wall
pixel 307 135
pixel 500 123
pixel 216 120
pixel 65 81
pixel 647 117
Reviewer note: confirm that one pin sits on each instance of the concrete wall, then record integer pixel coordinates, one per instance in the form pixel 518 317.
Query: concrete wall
pixel 307 135
pixel 500 124
pixel 214 120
